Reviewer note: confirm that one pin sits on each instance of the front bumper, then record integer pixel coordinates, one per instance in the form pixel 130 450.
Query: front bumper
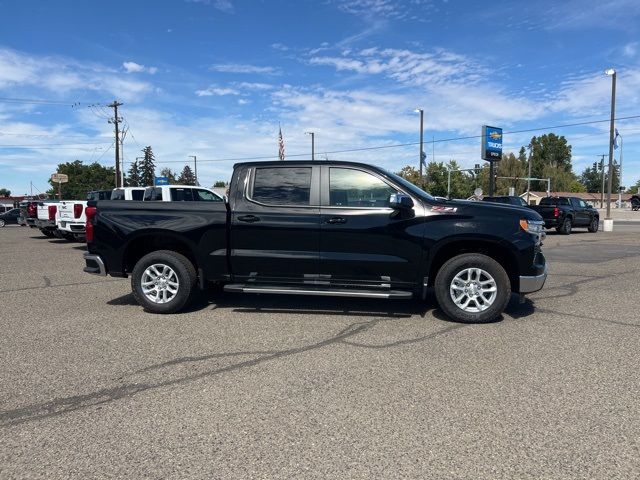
pixel 530 284
pixel 94 264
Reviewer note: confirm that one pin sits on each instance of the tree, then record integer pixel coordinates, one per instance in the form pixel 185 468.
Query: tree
pixel 170 174
pixel 219 184
pixel 83 179
pixel 411 174
pixel 147 167
pixel 187 177
pixel 133 178
pixel 550 149
pixel 591 177
pixel 5 193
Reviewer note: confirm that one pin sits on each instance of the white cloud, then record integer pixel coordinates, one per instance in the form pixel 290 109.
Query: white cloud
pixel 223 5
pixel 133 67
pixel 62 75
pixel 243 68
pixel 219 91
pixel 406 66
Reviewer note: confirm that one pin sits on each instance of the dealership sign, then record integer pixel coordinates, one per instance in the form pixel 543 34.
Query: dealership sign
pixel 161 181
pixel 59 177
pixel 491 143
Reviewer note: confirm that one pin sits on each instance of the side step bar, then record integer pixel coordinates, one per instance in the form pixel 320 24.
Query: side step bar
pixel 338 292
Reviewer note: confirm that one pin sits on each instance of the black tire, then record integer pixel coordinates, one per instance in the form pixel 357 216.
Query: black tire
pixel 565 228
pixel 47 233
pixel 70 237
pixel 594 225
pixel 2 223
pixel 455 265
pixel 184 270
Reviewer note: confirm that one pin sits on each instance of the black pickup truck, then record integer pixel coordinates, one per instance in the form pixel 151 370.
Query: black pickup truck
pixel 564 213
pixel 321 228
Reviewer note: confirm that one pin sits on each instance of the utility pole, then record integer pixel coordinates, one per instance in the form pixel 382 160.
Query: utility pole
pixel 115 120
pixel 529 175
pixel 195 168
pixel 313 145
pixel 611 72
pixel 602 188
pixel 620 176
pixel 421 152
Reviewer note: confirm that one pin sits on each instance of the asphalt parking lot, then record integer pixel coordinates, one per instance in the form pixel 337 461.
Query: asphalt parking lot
pixel 304 387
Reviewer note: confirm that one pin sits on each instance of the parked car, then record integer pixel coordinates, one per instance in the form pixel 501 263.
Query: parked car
pixel 99 195
pixel 128 193
pixel 565 213
pixel 46 217
pixel 9 217
pixel 71 219
pixel 635 203
pixel 507 199
pixel 321 228
pixel 180 193
pixel 29 212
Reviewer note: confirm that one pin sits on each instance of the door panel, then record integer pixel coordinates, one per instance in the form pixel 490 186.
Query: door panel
pixel 362 240
pixel 275 225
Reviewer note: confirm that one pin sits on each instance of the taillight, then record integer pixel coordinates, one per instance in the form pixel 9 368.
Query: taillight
pixel 52 212
pixel 556 212
pixel 32 210
pixel 77 210
pixel 90 212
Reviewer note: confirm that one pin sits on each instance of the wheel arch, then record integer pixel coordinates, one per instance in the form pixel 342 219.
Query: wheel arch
pixel 151 241
pixel 490 246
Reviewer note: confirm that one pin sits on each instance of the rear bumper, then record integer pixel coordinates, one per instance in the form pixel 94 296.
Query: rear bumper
pixel 530 284
pixel 551 222
pixel 71 227
pixel 94 264
pixel 45 224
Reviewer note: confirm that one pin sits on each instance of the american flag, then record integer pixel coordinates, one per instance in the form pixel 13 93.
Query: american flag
pixel 280 144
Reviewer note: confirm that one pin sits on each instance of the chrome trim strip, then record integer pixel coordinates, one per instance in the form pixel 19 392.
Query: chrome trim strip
pixel 324 293
pixel 95 258
pixel 530 284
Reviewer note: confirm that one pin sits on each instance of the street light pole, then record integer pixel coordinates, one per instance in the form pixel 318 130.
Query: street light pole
pixel 612 73
pixel 313 145
pixel 195 168
pixel 420 159
pixel 529 175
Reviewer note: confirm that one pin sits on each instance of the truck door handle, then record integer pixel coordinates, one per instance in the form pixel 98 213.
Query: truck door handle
pixel 248 218
pixel 334 220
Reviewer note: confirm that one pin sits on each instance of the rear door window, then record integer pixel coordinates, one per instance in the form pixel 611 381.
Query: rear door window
pixel 282 186
pixel 153 194
pixel 181 195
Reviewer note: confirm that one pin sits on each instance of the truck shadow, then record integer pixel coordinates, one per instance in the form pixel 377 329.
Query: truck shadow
pixel 338 306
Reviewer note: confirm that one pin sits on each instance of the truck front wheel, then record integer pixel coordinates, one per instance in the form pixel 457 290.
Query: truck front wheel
pixel 163 281
pixel 472 288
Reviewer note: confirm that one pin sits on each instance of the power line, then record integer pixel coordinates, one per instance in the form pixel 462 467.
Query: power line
pixel 36 101
pixel 409 144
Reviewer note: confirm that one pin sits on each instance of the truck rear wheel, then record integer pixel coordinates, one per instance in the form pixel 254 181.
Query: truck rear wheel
pixel 472 288
pixel 163 281
pixel 593 226
pixel 565 228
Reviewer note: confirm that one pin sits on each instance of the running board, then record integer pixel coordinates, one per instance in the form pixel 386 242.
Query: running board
pixel 338 292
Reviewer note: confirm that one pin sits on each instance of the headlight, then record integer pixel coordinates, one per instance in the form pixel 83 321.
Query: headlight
pixel 534 227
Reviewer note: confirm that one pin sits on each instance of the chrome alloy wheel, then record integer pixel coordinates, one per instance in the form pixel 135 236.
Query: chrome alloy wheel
pixel 473 290
pixel 159 283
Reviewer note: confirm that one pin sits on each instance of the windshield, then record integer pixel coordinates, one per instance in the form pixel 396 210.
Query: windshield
pixel 407 185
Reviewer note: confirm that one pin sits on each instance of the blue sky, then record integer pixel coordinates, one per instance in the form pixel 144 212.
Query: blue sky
pixel 213 78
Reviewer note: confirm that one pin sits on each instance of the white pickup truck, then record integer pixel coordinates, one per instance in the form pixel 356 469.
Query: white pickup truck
pixel 180 193
pixel 71 219
pixel 46 218
pixel 128 193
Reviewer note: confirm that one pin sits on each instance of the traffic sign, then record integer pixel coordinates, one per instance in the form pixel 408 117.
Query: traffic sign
pixel 59 177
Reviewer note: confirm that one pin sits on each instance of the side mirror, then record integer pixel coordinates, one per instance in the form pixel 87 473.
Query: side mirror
pixel 400 201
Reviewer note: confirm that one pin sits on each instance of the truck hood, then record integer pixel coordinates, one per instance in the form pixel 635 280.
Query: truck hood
pixel 488 208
